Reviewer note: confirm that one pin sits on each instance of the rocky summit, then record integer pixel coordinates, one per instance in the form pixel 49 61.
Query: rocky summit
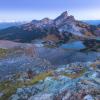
pixel 50 59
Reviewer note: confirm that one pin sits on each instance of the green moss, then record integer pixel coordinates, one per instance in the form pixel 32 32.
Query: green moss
pixel 40 77
pixel 9 88
pixel 3 52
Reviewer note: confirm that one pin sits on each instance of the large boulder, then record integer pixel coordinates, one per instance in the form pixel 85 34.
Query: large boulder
pixel 43 96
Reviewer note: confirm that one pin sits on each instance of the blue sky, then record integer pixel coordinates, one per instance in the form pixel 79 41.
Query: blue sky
pixel 24 10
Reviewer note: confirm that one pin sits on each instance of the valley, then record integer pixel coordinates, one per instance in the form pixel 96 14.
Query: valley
pixel 50 59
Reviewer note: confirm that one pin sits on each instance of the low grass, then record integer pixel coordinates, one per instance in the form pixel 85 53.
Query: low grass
pixel 75 75
pixel 95 64
pixel 50 46
pixel 9 88
pixel 41 76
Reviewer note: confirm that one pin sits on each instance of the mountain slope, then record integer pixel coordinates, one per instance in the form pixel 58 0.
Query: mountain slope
pixel 4 25
pixel 62 27
pixel 92 22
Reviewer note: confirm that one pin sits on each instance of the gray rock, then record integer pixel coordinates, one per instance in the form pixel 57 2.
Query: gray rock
pixel 19 91
pixel 67 96
pixel 44 96
pixel 97 97
pixel 1 94
pixel 95 74
pixel 15 97
pixel 88 97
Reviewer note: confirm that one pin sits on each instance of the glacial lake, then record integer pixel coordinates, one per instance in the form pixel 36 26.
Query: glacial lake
pixel 77 45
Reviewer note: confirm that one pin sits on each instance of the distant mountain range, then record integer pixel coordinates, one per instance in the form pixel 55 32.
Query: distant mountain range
pixel 4 25
pixel 61 28
pixel 92 22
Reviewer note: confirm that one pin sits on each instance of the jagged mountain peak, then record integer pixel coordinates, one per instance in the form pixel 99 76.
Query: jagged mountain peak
pixel 64 14
pixel 71 18
pixel 45 19
pixel 40 23
pixel 64 17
